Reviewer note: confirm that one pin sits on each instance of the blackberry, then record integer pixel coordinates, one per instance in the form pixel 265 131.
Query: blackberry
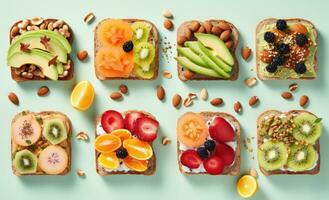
pixel 272 67
pixel 202 152
pixel 279 59
pixel 128 46
pixel 300 68
pixel 281 24
pixel 301 40
pixel 269 37
pixel 122 153
pixel 210 145
pixel 283 48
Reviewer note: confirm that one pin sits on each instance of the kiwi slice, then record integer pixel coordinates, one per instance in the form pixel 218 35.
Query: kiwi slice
pixel 138 71
pixel 301 157
pixel 25 162
pixel 272 155
pixel 144 54
pixel 141 31
pixel 54 131
pixel 308 128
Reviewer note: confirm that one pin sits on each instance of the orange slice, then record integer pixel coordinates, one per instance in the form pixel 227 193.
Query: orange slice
pixel 82 95
pixel 134 164
pixel 123 134
pixel 107 143
pixel 114 32
pixel 247 186
pixel 109 160
pixel 138 149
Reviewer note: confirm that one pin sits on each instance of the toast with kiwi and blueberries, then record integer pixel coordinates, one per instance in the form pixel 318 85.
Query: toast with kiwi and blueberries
pixel 123 143
pixel 126 49
pixel 40 143
pixel 206 50
pixel 208 143
pixel 286 49
pixel 40 50
pixel 288 143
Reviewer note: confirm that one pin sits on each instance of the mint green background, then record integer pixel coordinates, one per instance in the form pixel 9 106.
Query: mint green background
pixel 167 183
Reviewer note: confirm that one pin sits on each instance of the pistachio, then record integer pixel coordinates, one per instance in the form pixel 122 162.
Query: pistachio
pixel 188 101
pixel 89 18
pixel 165 141
pixel 81 173
pixel 82 136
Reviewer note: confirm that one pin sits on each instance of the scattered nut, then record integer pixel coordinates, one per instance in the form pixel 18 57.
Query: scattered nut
pixel 167 74
pixel 167 14
pixel 194 26
pixel 286 95
pixel 225 35
pixel 43 90
pixel 166 141
pixel 245 53
pixel 123 89
pixel 176 100
pixel 237 107
pixel 13 98
pixel 187 102
pixel 168 24
pixel 161 93
pixel 82 55
pixel 253 172
pixel 192 95
pixel 89 17
pixel 253 100
pixel 204 94
pixel 216 101
pixel 82 136
pixel 116 95
pixel 303 100
pixel 81 173
pixel 251 81
pixel 208 26
pixel 293 87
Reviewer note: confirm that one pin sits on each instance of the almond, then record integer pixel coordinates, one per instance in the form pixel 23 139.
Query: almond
pixel 194 26
pixel 176 100
pixel 188 33
pixel 251 81
pixel 168 24
pixel 116 95
pixel 293 87
pixel 123 89
pixel 188 75
pixel 201 29
pixel 216 101
pixel 229 44
pixel 237 107
pixel 43 90
pixel 245 53
pixel 225 35
pixel 303 100
pixel 161 93
pixel 82 55
pixel 286 95
pixel 208 26
pixel 253 100
pixel 165 141
pixel 13 98
pixel 167 74
pixel 204 94
pixel 223 25
pixel 216 30
pixel 181 39
pixel 188 101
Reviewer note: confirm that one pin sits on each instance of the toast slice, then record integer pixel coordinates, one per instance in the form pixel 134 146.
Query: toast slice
pixel 42 142
pixel 17 73
pixel 234 168
pixel 151 162
pixel 153 39
pixel 289 74
pixel 181 31
pixel 260 140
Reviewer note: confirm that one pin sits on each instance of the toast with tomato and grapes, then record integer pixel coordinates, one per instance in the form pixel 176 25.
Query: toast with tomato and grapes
pixel 288 142
pixel 126 49
pixel 208 143
pixel 123 143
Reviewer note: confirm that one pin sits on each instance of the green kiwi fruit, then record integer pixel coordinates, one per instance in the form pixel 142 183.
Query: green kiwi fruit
pixel 54 131
pixel 144 54
pixel 141 31
pixel 301 157
pixel 272 155
pixel 144 74
pixel 25 162
pixel 308 128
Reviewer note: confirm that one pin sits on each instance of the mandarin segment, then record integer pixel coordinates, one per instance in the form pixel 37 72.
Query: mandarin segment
pixel 82 95
pixel 123 134
pixel 107 143
pixel 138 149
pixel 109 160
pixel 134 164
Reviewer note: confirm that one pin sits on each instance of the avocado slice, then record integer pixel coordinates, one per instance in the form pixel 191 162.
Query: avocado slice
pixel 185 62
pixel 217 45
pixel 195 46
pixel 188 53
pixel 36 57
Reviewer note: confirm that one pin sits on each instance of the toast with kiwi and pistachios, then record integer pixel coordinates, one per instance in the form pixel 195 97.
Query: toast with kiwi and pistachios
pixel 40 143
pixel 130 136
pixel 286 49
pixel 40 49
pixel 126 49
pixel 206 50
pixel 208 143
pixel 288 142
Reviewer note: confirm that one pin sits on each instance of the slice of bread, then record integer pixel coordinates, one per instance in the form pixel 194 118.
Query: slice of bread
pixel 16 73
pixel 231 170
pixel 235 38
pixel 260 141
pixel 151 162
pixel 153 39
pixel 271 21
pixel 42 142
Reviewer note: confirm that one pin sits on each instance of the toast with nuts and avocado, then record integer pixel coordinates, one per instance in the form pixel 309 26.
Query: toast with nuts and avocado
pixel 286 49
pixel 206 50
pixel 40 50
pixel 288 143
pixel 123 143
pixel 126 49
pixel 40 143
pixel 208 143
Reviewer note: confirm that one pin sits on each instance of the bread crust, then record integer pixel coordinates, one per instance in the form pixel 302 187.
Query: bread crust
pixel 232 170
pixel 289 20
pixel 154 39
pixel 313 171
pixel 198 77
pixel 151 162
pixel 65 144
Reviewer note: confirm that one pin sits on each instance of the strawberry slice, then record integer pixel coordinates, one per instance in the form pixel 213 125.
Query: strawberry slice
pixel 131 118
pixel 112 120
pixel 226 153
pixel 220 130
pixel 214 165
pixel 146 129
pixel 191 159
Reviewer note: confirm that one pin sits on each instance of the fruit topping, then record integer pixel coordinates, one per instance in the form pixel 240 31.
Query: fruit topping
pixel 272 67
pixel 300 68
pixel 267 56
pixel 202 152
pixel 130 120
pixel 214 165
pixel 82 95
pixel 144 74
pixel 109 160
pixel 299 28
pixel 191 159
pixel 114 32
pixel 301 157
pixel 135 165
pixel 308 128
pixel 226 153
pixel 283 48
pixel 281 24
pixel 128 46
pixel 25 162
pixel 301 39
pixel 146 129
pixel 210 145
pixel 122 153
pixel 279 59
pixel 54 130
pixel 123 134
pixel 192 130
pixel 107 143
pixel 221 130
pixel 25 130
pixel 272 155
pixel 144 54
pixel 141 31
pixel 269 37
pixel 53 160
pixel 138 149
pixel 112 120
pixel 247 186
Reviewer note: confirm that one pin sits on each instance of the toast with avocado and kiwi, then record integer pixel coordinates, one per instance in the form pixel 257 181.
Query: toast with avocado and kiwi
pixel 206 50
pixel 126 49
pixel 131 135
pixel 286 49
pixel 40 49
pixel 40 143
pixel 208 143
pixel 288 143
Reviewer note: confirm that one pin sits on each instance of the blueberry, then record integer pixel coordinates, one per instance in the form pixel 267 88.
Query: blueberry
pixel 210 145
pixel 279 59
pixel 122 153
pixel 301 40
pixel 283 48
pixel 281 24
pixel 272 67
pixel 300 68
pixel 128 46
pixel 269 37
pixel 202 151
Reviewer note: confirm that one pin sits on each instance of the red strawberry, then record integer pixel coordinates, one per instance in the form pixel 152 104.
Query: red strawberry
pixel 130 120
pixel 214 165
pixel 112 120
pixel 146 129
pixel 225 152
pixel 220 130
pixel 191 159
